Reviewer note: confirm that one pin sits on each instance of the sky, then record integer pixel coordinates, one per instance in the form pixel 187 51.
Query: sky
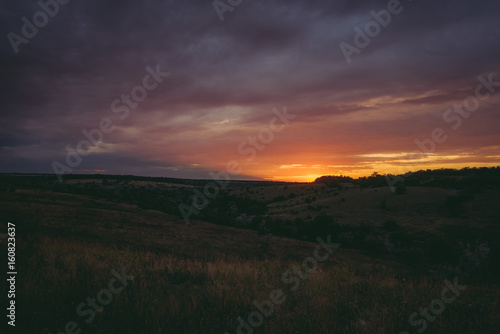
pixel 277 90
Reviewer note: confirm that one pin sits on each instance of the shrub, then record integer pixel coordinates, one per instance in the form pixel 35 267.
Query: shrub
pixel 280 198
pixel 474 258
pixel 391 225
pixel 400 189
pixel 443 251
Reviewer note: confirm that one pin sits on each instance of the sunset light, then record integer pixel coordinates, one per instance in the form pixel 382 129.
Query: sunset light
pixel 250 166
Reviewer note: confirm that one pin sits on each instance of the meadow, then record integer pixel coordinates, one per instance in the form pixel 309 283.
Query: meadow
pixel 220 278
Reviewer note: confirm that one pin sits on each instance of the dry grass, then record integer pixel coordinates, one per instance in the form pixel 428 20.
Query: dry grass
pixel 174 294
pixel 200 278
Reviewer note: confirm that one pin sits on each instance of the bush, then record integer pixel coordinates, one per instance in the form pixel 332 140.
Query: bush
pixel 280 198
pixel 321 225
pixel 391 225
pixel 400 189
pixel 401 239
pixel 454 205
pixel 474 258
pixel 443 251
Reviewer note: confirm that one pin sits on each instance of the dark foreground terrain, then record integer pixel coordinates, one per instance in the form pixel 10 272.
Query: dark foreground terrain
pixel 114 254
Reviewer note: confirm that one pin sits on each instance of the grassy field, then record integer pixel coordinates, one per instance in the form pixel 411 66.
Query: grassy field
pixel 202 277
pixel 178 294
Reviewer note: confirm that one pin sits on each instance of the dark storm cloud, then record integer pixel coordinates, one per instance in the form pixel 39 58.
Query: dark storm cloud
pixel 266 54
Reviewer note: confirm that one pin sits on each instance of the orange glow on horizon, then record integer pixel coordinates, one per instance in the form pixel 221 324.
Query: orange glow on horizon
pixel 306 174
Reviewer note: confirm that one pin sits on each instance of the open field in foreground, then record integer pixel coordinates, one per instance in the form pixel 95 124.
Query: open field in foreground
pixel 71 250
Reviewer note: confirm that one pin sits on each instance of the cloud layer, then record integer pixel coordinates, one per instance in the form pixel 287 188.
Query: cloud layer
pixel 227 77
